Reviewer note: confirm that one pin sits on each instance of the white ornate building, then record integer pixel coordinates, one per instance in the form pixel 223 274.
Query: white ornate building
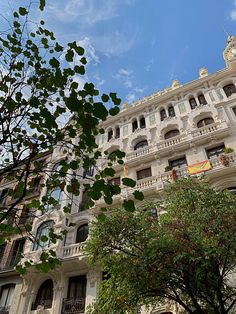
pixel 179 131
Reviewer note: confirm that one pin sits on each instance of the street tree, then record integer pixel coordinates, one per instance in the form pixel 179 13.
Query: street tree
pixel 42 106
pixel 187 255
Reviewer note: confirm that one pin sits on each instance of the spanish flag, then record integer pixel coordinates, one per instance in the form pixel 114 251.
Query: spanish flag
pixel 199 167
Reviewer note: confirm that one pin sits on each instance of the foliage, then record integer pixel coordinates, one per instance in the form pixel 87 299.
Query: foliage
pixel 42 108
pixel 187 255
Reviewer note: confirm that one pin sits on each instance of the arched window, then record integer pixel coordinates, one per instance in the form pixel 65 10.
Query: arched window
pixel 202 99
pixel 82 233
pixel 142 123
pixel 163 114
pixel 110 135
pixel 134 125
pixel 141 144
pixel 42 235
pixel 117 135
pixel 6 297
pixel 193 103
pixel 171 111
pixel 171 133
pixel 229 89
pixel 204 122
pixel 44 296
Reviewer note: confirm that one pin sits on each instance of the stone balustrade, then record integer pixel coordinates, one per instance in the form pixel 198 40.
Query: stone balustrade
pixel 72 250
pixel 171 141
pixel 140 152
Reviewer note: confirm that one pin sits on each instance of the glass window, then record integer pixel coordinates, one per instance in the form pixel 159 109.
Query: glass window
pixel 89 172
pixel 171 133
pixel 15 253
pixel 142 123
pixel 134 125
pixel 77 287
pixel 205 122
pixel 215 151
pixel 202 99
pixel 44 296
pixel 141 144
pixel 229 89
pixel 178 163
pixel 171 111
pixel 6 297
pixel 82 233
pixel 117 132
pixel 35 185
pixel 3 196
pixel 43 230
pixel 144 173
pixel 163 114
pixel 110 135
pixel 193 103
pixel 115 181
pixel 84 202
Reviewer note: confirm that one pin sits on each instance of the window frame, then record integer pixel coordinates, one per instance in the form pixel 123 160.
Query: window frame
pixel 144 173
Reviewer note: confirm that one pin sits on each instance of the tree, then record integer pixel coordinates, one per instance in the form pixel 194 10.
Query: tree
pixel 186 255
pixel 42 106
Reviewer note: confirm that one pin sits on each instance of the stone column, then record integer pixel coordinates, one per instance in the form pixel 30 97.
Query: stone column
pixel 93 279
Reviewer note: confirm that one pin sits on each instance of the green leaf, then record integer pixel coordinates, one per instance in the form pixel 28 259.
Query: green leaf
pixel 22 11
pixel 101 217
pixel 100 111
pixel 44 238
pixel 69 55
pixel 138 195
pixel 129 205
pixel 41 5
pixel 114 111
pixel 105 98
pixel 129 182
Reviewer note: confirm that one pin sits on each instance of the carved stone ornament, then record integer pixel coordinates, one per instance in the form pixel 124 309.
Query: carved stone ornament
pixel 230 50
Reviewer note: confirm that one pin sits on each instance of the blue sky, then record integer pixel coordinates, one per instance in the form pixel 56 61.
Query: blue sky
pixel 137 47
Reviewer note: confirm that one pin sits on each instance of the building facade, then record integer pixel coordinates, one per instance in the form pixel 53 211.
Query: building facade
pixel 182 130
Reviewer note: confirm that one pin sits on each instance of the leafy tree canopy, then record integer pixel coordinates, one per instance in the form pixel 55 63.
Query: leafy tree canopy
pixel 186 255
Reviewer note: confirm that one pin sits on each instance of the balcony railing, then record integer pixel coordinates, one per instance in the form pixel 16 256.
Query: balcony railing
pixel 73 306
pixel 72 250
pixel 140 152
pixel 171 141
pixel 45 303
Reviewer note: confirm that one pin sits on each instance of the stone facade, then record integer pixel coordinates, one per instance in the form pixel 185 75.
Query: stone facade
pixel 165 136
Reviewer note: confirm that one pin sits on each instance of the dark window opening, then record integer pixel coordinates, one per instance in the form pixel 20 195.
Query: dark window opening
pixel 134 125
pixel 215 151
pixel 26 216
pixel 115 181
pixel 44 296
pixel 171 133
pixel 117 132
pixel 35 185
pixel 193 103
pixel 110 135
pixel 234 110
pixel 229 89
pixel 178 163
pixel 77 287
pixel 171 111
pixel 205 122
pixel 202 99
pixel 84 202
pixel 6 298
pixel 82 233
pixel 89 172
pixel 15 253
pixel 3 197
pixel 163 114
pixel 43 230
pixel 144 173
pixel 141 144
pixel 142 123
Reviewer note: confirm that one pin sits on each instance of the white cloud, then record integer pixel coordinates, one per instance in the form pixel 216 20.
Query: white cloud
pixel 125 76
pixel 233 12
pixel 87 11
pixel 131 97
pixel 90 52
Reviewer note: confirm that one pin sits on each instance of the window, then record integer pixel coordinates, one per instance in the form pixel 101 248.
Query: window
pixel 75 302
pixel 117 135
pixel 15 253
pixel 144 173
pixel 44 296
pixel 234 110
pixel 110 135
pixel 35 185
pixel 163 114
pixel 171 133
pixel 134 125
pixel 6 297
pixel 115 181
pixel 43 230
pixel 84 202
pixel 2 251
pixel 205 122
pixel 229 89
pixel 142 123
pixel 3 196
pixel 82 233
pixel 215 151
pixel 171 111
pixel 89 172
pixel 141 144
pixel 26 216
pixel 202 99
pixel 178 163
pixel 56 197
pixel 193 103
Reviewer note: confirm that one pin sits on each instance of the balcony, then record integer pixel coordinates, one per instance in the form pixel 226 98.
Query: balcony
pixel 73 250
pixel 211 131
pixel 73 306
pixel 140 152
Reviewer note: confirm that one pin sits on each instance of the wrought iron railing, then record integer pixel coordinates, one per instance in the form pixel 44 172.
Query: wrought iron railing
pixel 73 306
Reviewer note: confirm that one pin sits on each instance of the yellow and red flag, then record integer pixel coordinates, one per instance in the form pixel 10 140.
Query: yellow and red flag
pixel 199 167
